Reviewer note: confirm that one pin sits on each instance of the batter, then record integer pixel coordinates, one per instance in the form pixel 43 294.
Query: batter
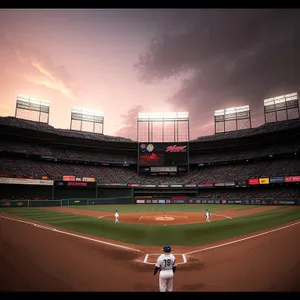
pixel 166 264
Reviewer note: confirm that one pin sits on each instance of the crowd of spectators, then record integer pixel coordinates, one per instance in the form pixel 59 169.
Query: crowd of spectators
pixel 39 126
pixel 91 156
pixel 210 174
pixel 265 128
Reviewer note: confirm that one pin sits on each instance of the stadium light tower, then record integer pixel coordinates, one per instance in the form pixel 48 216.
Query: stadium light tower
pixel 234 114
pixel 170 127
pixel 284 103
pixel 33 105
pixel 84 115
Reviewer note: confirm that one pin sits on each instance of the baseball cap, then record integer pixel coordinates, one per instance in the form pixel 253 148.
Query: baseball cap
pixel 167 248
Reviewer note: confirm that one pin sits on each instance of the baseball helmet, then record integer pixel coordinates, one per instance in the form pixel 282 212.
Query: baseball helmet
pixel 167 248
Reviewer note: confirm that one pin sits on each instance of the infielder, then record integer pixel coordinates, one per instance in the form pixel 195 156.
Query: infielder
pixel 207 216
pixel 116 216
pixel 166 264
pixel 164 215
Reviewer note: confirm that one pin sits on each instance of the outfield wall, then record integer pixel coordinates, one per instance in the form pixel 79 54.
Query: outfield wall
pixel 130 200
pixel 221 201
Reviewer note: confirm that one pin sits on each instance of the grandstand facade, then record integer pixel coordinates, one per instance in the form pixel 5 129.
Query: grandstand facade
pixel 49 163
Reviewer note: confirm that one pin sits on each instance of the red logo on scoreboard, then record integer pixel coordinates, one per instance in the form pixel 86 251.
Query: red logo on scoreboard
pixel 176 148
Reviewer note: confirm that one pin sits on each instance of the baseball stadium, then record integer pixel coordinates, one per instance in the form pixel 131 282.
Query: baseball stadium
pixel 60 189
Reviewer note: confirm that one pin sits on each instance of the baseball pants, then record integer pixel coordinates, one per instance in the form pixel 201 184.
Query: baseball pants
pixel 166 284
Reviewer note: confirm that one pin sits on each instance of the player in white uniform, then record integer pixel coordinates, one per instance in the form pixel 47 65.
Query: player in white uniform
pixel 207 216
pixel 166 264
pixel 116 216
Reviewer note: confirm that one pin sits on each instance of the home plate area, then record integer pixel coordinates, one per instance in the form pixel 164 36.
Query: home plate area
pixel 152 258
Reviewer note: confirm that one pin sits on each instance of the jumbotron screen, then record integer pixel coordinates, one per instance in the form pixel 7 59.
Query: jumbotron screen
pixel 163 154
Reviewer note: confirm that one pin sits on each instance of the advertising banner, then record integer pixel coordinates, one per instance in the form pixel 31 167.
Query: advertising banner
pixel 190 185
pixel 75 183
pixel 148 185
pixel 78 179
pixel 139 201
pixel 179 197
pixel 161 201
pixel 163 185
pixel 88 179
pixel 241 183
pixel 148 201
pixel 44 177
pixel 238 202
pixel 277 180
pixel 292 179
pixel 168 201
pixel 285 202
pixel 253 181
pixel 176 185
pixel 69 178
pixel 178 201
pixel 154 201
pixel 229 184
pixel 198 201
pixel 223 201
pixel 264 181
pixel 26 181
pixel 220 184
pixel 254 202
pixel 205 185
pixel 217 201
pixel 133 185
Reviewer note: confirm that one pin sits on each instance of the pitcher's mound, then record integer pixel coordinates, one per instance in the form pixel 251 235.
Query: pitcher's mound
pixel 164 219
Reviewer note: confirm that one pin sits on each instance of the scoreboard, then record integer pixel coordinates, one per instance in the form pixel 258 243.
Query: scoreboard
pixel 163 158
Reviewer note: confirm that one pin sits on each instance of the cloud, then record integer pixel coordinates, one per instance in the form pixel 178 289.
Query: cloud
pixel 129 129
pixel 38 68
pixel 228 58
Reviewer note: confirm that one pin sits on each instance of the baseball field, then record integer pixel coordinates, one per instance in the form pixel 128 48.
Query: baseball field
pixel 81 248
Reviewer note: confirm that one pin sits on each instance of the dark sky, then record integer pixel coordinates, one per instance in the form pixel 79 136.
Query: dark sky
pixel 225 58
pixel 122 62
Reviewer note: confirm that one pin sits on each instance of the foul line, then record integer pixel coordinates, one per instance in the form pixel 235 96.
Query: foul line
pixel 243 239
pixel 71 234
pixel 102 216
pixel 145 261
pixel 146 258
pixel 221 216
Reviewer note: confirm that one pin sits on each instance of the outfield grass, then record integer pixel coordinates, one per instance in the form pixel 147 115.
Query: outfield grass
pixel 162 207
pixel 189 234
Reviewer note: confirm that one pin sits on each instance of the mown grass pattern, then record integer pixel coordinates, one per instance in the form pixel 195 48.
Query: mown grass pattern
pixel 147 235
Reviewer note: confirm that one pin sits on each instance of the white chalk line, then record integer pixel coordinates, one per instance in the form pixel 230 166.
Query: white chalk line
pixel 243 239
pixel 221 216
pixel 70 234
pixel 146 258
pixel 102 216
pixel 145 261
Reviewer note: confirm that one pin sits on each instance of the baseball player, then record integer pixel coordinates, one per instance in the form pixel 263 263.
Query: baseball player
pixel 116 216
pixel 164 215
pixel 207 215
pixel 166 264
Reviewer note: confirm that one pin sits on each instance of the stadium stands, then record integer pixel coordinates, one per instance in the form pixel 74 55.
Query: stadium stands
pixel 29 157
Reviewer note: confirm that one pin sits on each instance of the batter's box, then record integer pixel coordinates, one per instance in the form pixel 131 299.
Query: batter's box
pixel 152 258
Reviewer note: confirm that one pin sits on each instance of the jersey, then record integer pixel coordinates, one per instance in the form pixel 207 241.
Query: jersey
pixel 166 262
pixel 116 215
pixel 207 215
